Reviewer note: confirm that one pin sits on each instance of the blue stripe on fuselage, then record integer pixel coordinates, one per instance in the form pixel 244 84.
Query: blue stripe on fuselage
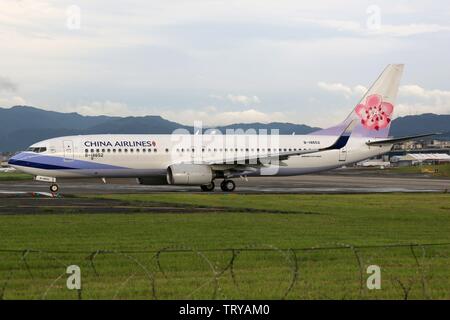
pixel 32 160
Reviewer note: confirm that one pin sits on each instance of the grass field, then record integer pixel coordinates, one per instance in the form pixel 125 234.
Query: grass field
pixel 439 171
pixel 14 176
pixel 277 223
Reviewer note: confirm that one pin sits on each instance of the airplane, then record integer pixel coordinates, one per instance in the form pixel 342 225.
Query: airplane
pixel 199 159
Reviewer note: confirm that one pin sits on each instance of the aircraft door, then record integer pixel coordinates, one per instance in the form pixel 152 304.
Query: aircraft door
pixel 343 154
pixel 68 150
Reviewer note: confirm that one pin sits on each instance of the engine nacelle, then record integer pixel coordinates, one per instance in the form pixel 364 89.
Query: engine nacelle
pixel 189 174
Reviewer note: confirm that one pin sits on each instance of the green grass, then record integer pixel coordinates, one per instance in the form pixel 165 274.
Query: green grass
pixel 14 176
pixel 441 171
pixel 309 220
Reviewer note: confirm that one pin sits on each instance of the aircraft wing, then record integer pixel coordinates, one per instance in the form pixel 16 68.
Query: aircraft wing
pixel 340 142
pixel 397 140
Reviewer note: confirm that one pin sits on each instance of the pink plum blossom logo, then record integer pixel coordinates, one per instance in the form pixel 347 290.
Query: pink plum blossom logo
pixel 375 114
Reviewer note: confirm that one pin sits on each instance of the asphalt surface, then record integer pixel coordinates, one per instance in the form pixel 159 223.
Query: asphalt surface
pixel 334 182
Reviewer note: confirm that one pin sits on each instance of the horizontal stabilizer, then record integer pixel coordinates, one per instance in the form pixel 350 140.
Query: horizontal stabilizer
pixel 397 140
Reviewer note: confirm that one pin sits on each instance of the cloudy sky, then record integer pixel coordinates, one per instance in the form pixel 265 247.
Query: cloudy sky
pixel 221 61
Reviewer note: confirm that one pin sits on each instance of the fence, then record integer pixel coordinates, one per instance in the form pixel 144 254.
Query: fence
pixel 340 271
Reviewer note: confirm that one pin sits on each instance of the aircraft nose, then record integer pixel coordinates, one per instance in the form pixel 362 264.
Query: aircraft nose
pixel 16 159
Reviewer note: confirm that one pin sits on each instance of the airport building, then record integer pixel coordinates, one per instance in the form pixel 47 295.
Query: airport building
pixel 412 159
pixel 4 159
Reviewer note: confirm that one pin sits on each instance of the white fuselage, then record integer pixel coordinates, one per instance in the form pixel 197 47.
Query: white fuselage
pixel 150 155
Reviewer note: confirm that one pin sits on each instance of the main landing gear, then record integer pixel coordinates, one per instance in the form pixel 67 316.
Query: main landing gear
pixel 208 187
pixel 54 188
pixel 226 186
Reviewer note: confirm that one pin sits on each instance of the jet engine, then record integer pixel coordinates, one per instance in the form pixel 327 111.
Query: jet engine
pixel 189 174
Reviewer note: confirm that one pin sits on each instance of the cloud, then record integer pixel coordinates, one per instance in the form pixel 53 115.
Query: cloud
pixel 237 98
pixel 210 116
pixel 415 90
pixel 7 85
pixel 9 101
pixel 407 30
pixel 400 30
pixel 243 99
pixel 342 89
pixel 414 99
pixel 171 54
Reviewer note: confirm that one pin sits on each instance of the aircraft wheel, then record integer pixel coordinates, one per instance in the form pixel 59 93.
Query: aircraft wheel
pixel 208 187
pixel 228 185
pixel 54 188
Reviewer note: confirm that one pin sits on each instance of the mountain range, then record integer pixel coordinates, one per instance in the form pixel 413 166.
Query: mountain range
pixel 21 126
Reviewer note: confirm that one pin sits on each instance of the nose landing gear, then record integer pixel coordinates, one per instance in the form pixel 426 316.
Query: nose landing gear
pixel 54 188
pixel 228 185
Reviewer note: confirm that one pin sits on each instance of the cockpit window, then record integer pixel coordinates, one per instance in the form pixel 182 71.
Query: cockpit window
pixel 37 149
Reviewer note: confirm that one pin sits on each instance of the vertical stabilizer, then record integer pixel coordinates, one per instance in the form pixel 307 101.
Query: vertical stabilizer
pixel 375 110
